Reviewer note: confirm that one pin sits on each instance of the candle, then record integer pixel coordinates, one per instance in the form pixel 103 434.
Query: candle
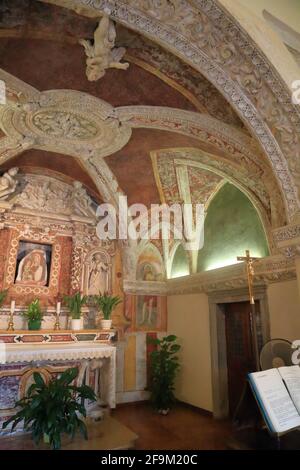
pixel 12 306
pixel 58 305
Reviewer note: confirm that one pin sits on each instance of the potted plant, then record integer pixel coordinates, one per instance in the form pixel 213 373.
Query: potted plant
pixel 164 365
pixel 51 409
pixel 34 315
pixel 106 303
pixel 75 303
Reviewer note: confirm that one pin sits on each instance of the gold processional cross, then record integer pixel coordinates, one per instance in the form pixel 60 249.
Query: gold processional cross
pixel 250 275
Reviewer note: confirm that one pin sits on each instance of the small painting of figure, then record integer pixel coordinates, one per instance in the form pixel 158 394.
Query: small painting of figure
pixel 146 311
pixel 33 264
pixel 148 273
pixel 150 265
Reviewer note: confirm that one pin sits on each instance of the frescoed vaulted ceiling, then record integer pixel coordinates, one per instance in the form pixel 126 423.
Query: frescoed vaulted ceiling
pixel 184 139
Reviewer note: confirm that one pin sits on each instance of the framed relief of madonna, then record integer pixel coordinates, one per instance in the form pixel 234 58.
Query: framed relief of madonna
pixel 33 264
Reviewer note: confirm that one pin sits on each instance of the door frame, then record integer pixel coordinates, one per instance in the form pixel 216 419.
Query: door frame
pixel 217 301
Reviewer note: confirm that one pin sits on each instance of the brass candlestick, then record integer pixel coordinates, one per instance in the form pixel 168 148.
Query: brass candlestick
pixel 11 326
pixel 57 324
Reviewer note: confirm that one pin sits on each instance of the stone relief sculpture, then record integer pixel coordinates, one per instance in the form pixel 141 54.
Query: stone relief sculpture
pixel 8 183
pixel 9 147
pixel 64 124
pixel 49 195
pixel 82 202
pixel 44 194
pixel 103 54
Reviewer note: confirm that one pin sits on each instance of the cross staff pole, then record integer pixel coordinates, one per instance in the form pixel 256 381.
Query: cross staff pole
pixel 250 274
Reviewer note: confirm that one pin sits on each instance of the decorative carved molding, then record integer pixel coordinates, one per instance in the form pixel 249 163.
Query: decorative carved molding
pixel 45 111
pixel 196 125
pixel 288 234
pixel 11 146
pixel 47 210
pixel 287 240
pixel 17 91
pixel 67 121
pixel 8 183
pixel 10 268
pixel 185 79
pixel 267 270
pixel 64 125
pixel 251 178
pixel 49 195
pixel 145 287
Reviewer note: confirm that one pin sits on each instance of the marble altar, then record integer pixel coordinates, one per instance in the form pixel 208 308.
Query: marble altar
pixel 95 359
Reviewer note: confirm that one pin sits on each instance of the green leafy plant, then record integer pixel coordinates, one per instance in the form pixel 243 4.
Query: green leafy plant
pixel 107 303
pixel 34 315
pixel 51 409
pixel 164 366
pixel 3 295
pixel 75 303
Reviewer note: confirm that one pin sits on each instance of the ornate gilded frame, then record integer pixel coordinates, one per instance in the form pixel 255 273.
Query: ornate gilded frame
pixel 11 263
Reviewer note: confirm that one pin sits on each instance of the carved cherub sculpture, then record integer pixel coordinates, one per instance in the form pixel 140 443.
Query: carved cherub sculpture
pixel 102 54
pixel 8 183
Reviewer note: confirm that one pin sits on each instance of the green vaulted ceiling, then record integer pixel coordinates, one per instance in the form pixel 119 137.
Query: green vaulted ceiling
pixel 232 226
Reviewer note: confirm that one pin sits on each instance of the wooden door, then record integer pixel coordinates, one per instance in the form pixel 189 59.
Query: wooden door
pixel 239 350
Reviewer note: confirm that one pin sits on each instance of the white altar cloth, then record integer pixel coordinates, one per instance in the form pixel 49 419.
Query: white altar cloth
pixel 85 352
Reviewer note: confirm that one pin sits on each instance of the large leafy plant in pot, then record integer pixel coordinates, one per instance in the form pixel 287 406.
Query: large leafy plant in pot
pixel 51 409
pixel 164 366
pixel 75 303
pixel 34 315
pixel 106 303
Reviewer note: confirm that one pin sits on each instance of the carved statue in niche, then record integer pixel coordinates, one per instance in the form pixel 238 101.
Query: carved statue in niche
pixel 103 54
pixel 33 269
pixel 8 183
pixel 98 277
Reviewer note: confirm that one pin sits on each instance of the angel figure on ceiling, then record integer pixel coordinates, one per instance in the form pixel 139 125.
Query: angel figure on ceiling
pixel 102 53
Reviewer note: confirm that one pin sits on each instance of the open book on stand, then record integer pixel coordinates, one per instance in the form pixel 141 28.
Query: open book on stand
pixel 277 392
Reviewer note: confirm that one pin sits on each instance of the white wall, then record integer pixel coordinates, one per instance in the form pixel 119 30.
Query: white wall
pixel 284 308
pixel 287 11
pixel 188 318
